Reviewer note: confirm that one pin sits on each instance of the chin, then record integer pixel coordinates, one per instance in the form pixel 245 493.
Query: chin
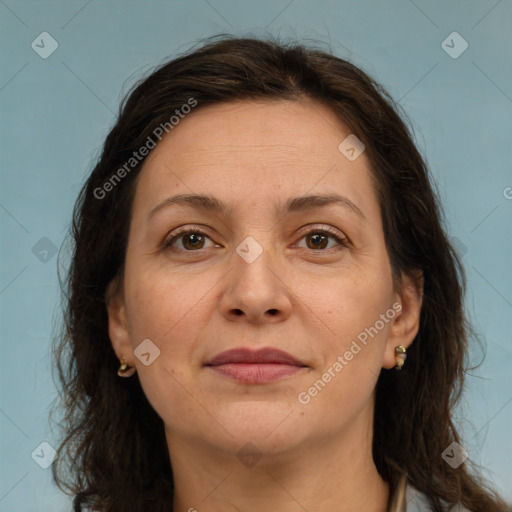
pixel 272 427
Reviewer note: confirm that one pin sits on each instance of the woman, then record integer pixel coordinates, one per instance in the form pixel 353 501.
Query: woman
pixel 256 253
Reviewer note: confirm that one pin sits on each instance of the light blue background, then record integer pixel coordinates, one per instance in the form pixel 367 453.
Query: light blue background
pixel 57 111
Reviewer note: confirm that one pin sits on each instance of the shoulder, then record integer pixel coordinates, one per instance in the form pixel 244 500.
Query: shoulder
pixel 416 501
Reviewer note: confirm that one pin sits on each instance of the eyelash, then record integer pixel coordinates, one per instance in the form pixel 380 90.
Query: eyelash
pixel 167 243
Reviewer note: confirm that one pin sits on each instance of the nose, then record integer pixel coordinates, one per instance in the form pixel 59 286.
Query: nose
pixel 257 289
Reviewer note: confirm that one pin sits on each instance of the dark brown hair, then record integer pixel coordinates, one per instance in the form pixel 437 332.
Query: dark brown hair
pixel 114 454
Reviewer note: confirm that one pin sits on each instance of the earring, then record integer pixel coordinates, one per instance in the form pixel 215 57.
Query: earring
pixel 400 356
pixel 125 370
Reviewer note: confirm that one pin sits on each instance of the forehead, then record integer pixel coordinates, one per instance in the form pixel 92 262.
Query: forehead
pixel 253 150
pixel 279 127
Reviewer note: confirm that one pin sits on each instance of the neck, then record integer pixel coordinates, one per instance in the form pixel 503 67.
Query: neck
pixel 337 475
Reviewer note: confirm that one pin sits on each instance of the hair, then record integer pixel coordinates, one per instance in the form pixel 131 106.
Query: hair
pixel 113 455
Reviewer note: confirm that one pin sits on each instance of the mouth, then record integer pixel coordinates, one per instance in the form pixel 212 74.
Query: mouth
pixel 255 366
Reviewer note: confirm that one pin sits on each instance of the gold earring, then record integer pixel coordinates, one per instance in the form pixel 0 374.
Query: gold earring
pixel 400 356
pixel 125 370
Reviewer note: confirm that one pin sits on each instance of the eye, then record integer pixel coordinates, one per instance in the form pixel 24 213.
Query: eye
pixel 191 239
pixel 318 238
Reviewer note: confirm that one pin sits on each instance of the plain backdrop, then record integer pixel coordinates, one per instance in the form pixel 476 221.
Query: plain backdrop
pixel 64 68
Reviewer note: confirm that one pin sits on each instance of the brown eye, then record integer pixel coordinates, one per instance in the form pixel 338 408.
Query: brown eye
pixel 190 240
pixel 193 241
pixel 318 239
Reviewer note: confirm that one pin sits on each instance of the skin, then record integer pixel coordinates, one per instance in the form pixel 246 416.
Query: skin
pixel 307 301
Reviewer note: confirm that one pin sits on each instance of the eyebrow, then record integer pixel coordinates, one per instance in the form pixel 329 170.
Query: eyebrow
pixel 209 203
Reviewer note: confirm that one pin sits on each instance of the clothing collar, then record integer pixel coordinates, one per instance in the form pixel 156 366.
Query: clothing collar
pixel 409 499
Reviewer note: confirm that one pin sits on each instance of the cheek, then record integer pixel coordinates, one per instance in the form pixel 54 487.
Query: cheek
pixel 169 309
pixel 162 306
pixel 355 313
pixel 345 305
pixel 341 387
pixel 166 312
pixel 340 401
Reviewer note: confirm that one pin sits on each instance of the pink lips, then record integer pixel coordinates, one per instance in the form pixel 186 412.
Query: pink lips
pixel 255 366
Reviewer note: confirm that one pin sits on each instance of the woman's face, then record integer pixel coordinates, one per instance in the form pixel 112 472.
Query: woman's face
pixel 258 274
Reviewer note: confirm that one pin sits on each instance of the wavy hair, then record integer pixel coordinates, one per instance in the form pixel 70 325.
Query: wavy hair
pixel 113 455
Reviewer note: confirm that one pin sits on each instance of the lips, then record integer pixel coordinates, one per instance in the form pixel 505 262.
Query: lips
pixel 248 356
pixel 255 366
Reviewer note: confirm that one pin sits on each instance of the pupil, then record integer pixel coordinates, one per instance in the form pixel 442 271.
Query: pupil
pixel 192 238
pixel 318 237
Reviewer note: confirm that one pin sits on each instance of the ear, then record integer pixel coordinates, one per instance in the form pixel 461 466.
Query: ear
pixel 117 325
pixel 406 323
